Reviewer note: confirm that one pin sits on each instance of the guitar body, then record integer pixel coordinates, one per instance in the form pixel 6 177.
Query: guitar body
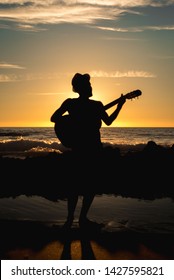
pixel 64 130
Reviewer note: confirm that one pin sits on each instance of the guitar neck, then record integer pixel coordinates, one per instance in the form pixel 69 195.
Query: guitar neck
pixel 109 105
pixel 129 95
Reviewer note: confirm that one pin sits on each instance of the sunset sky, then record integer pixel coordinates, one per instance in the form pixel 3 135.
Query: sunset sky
pixel 124 45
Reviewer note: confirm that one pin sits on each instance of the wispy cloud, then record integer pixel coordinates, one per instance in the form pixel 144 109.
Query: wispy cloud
pixel 29 27
pixel 5 65
pixel 26 15
pixel 118 74
pixel 8 78
pixel 136 29
pixel 53 12
pixel 30 76
pixel 171 27
pixel 93 73
pixel 127 3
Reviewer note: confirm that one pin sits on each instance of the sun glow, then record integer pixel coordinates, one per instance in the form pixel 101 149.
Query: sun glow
pixel 44 43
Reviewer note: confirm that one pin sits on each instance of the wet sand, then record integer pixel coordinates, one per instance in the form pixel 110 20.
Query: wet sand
pixel 22 240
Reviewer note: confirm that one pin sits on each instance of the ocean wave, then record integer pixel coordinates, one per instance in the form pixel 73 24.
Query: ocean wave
pixel 21 147
pixel 14 134
pixel 26 141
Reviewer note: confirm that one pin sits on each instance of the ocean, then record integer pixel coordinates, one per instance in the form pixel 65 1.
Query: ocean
pixel 26 141
pixel 117 212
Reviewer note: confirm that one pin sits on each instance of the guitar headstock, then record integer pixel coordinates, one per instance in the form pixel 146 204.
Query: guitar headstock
pixel 133 94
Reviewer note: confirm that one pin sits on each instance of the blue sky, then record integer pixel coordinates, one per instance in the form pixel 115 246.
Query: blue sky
pixel 124 45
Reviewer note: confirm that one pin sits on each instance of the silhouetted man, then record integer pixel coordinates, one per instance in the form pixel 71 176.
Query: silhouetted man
pixel 86 119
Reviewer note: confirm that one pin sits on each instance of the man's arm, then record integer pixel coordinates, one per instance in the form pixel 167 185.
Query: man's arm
pixel 108 120
pixel 60 111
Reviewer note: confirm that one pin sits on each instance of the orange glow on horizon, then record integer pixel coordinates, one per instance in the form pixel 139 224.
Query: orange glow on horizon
pixel 115 124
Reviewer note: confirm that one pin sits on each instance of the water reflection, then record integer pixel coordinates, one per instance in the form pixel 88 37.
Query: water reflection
pixel 116 212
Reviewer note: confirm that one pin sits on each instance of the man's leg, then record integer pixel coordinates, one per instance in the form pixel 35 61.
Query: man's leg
pixel 86 203
pixel 71 203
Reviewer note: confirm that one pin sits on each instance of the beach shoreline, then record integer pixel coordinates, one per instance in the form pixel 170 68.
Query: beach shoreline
pixel 144 175
pixel 28 240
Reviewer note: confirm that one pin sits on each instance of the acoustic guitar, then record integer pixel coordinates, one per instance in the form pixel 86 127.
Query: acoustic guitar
pixel 64 127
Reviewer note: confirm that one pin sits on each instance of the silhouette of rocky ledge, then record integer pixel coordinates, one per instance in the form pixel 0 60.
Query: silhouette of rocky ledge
pixel 146 174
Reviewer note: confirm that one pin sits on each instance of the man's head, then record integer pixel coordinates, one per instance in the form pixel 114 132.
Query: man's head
pixel 81 84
